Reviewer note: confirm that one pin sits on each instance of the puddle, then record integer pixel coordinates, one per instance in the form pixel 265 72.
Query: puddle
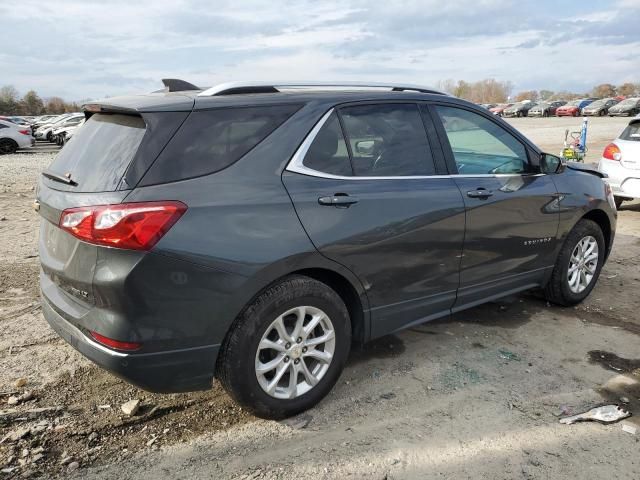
pixel 602 319
pixel 613 362
pixel 624 388
pixel 384 347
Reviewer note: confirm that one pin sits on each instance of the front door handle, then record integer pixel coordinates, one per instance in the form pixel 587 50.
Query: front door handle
pixel 338 200
pixel 479 193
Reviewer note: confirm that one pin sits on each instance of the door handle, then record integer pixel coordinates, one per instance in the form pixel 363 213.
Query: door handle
pixel 338 200
pixel 479 193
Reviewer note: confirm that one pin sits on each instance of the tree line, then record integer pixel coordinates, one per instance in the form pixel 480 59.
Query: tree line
pixel 491 90
pixel 488 90
pixel 11 103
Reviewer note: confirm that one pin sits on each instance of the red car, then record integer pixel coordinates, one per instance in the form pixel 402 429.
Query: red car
pixel 573 108
pixel 498 109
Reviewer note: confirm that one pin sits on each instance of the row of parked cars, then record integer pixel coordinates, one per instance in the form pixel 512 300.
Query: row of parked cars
pixel 585 106
pixel 21 132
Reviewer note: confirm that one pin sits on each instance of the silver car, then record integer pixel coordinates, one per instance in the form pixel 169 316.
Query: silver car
pixel 13 136
pixel 621 162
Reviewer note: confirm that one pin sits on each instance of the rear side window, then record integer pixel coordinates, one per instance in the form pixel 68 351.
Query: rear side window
pixel 387 140
pixel 100 151
pixel 632 132
pixel 211 140
pixel 328 152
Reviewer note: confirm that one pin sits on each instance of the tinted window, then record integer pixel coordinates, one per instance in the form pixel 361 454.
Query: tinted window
pixel 211 140
pixel 480 146
pixel 328 152
pixel 387 140
pixel 100 151
pixel 632 132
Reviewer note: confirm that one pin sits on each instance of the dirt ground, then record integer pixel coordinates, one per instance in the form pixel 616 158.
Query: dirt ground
pixel 477 395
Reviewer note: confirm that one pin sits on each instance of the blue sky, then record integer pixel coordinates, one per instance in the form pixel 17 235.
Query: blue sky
pixel 81 49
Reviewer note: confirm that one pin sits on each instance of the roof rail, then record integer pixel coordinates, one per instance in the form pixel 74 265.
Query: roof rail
pixel 233 88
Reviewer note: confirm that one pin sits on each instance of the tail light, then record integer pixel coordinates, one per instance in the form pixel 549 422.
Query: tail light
pixel 115 344
pixel 25 132
pixel 135 226
pixel 612 152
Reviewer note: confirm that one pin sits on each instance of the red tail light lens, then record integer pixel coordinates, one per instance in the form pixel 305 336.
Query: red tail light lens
pixel 612 152
pixel 115 344
pixel 135 226
pixel 25 132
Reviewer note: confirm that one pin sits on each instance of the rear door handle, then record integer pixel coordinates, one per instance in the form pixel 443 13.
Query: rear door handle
pixel 338 200
pixel 479 193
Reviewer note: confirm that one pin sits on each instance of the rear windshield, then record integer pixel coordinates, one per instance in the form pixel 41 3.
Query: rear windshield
pixel 100 151
pixel 211 140
pixel 632 132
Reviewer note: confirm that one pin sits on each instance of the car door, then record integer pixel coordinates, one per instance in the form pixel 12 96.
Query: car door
pixel 511 208
pixel 368 189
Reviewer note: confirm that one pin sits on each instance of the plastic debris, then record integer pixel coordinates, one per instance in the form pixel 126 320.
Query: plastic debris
pixel 604 414
pixel 629 428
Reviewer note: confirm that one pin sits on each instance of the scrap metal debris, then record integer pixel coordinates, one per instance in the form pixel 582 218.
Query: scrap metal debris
pixel 604 414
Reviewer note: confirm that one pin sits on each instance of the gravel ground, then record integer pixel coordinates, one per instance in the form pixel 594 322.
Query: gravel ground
pixel 477 395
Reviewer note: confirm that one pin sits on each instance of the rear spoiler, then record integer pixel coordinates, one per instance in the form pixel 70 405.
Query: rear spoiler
pixel 586 168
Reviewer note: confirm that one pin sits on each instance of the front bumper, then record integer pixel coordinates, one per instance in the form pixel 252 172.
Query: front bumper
pixel 174 371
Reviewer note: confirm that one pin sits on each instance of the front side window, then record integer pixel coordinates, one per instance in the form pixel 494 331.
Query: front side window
pixel 387 140
pixel 481 146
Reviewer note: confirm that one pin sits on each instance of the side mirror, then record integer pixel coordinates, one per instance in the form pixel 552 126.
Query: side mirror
pixel 365 147
pixel 550 163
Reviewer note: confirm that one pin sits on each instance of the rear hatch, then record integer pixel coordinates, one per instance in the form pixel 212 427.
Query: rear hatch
pixel 629 144
pixel 98 166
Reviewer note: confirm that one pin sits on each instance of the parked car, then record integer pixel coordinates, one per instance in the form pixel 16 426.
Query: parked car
pixel 628 107
pixel 599 107
pixel 251 235
pixel 520 109
pixel 45 132
pixel 573 108
pixel 488 106
pixel 499 109
pixel 621 162
pixel 13 136
pixel 545 109
pixel 43 120
pixel 59 135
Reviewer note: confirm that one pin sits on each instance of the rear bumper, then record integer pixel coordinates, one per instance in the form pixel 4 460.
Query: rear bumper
pixel 624 182
pixel 173 371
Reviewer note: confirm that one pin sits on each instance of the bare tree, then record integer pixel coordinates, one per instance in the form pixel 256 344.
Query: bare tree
pixel 604 90
pixel 628 89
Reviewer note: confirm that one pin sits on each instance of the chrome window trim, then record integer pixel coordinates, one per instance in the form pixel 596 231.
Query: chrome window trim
pixel 295 165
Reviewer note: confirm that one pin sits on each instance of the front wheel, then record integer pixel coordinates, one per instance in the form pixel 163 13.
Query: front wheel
pixel 578 264
pixel 287 349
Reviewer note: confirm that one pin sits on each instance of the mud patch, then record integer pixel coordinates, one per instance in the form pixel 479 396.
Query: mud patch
pixel 95 431
pixel 613 362
pixel 600 318
pixel 18 281
pixel 384 347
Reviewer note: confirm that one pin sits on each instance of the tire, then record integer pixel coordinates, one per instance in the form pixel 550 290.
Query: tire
pixel 49 137
pixel 558 289
pixel 601 113
pixel 618 201
pixel 546 113
pixel 241 353
pixel 8 146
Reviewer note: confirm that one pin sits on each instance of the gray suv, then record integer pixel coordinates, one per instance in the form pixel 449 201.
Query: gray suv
pixel 252 231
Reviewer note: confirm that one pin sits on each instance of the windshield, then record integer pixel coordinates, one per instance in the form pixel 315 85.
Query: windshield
pixel 632 132
pixel 629 102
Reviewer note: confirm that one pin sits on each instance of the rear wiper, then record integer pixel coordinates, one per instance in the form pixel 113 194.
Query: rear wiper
pixel 60 178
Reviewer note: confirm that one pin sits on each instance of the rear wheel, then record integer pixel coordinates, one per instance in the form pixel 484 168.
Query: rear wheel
pixel 578 264
pixel 7 146
pixel 287 349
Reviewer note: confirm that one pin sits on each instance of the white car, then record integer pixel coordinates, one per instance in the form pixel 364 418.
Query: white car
pixel 45 132
pixel 14 136
pixel 621 162
pixel 62 134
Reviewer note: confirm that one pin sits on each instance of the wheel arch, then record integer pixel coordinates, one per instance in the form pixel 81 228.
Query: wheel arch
pixel 602 219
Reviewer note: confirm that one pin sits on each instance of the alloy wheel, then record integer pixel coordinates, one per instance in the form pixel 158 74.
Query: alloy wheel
pixel 583 264
pixel 295 352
